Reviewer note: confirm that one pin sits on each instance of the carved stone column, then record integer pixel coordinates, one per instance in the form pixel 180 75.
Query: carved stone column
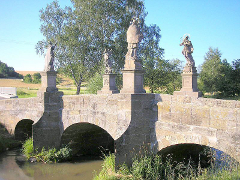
pixel 133 72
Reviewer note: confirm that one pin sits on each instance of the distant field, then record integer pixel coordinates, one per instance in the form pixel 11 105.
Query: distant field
pixel 25 90
pixel 24 73
pixel 7 82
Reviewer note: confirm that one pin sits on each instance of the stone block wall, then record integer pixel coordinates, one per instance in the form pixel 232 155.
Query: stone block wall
pixel 14 110
pixel 211 122
pixel 110 112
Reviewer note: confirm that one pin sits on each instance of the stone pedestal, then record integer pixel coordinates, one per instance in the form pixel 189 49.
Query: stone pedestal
pixel 48 130
pixel 132 82
pixel 109 84
pixel 48 81
pixel 189 83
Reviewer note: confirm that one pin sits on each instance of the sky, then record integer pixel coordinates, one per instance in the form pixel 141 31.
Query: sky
pixel 210 23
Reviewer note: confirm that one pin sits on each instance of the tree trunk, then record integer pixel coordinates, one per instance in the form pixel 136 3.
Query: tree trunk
pixel 78 87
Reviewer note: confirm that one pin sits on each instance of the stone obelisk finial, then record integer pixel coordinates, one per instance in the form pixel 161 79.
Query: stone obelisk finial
pixel 133 73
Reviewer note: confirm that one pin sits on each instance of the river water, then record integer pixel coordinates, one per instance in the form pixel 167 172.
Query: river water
pixel 13 166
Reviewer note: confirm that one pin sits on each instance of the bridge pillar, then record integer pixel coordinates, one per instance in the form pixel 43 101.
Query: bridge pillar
pixel 140 134
pixel 47 131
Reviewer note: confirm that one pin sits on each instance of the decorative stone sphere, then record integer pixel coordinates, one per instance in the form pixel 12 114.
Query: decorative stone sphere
pixel 134 34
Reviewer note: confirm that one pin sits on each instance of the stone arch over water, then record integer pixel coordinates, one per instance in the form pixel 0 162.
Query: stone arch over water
pixel 23 129
pixel 197 154
pixel 87 139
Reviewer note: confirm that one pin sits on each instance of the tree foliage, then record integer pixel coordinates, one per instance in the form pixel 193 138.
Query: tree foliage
pixel 6 71
pixel 35 78
pixel 210 70
pixel 162 75
pixel 82 33
pixel 218 75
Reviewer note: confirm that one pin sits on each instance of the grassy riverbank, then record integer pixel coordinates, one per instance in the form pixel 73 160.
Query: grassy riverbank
pixel 150 167
pixel 46 156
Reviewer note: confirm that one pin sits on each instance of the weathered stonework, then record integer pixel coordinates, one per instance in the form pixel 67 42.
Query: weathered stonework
pixel 109 84
pixel 209 122
pixel 136 122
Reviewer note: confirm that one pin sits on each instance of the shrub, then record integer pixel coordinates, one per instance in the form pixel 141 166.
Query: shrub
pixel 27 78
pixel 27 148
pixel 36 78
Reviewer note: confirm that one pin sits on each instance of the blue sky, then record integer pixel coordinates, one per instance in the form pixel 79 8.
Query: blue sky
pixel 210 23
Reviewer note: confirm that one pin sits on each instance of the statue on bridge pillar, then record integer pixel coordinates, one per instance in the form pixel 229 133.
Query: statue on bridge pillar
pixel 189 75
pixel 49 74
pixel 133 73
pixel 187 52
pixel 49 58
pixel 47 131
pixel 109 83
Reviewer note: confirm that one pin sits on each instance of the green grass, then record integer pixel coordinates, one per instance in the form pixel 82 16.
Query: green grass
pixel 46 156
pixel 32 92
pixel 26 92
pixel 151 167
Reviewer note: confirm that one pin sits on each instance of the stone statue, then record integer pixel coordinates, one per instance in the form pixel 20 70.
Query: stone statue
pixel 107 62
pixel 187 51
pixel 49 58
pixel 134 36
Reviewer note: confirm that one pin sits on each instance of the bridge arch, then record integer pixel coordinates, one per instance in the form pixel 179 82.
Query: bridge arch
pixel 87 139
pixel 23 129
pixel 195 154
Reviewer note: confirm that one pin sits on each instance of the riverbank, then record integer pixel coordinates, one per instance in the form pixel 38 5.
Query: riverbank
pixel 150 167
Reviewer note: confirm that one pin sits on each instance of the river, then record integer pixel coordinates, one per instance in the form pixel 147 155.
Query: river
pixel 14 166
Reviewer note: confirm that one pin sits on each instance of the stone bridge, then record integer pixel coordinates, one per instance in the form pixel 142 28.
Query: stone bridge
pixel 130 121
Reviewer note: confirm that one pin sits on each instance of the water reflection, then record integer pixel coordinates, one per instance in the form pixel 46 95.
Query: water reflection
pixel 14 166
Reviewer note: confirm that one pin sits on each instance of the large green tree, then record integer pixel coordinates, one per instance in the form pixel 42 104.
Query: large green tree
pixel 220 76
pixel 6 71
pixel 82 33
pixel 162 75
pixel 211 69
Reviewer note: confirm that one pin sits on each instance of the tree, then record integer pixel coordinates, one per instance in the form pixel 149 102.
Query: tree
pixel 219 76
pixel 27 78
pixel 82 33
pixel 235 77
pixel 210 74
pixel 162 75
pixel 6 71
pixel 36 79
